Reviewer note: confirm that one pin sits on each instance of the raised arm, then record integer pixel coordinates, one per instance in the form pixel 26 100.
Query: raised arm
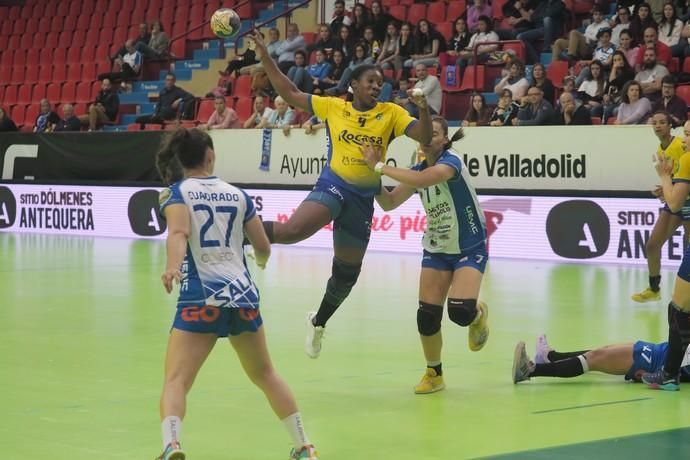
pixel 280 82
pixel 420 131
pixel 411 178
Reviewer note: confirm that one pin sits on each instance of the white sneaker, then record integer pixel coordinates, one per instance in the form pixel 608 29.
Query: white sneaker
pixel 541 355
pixel 314 336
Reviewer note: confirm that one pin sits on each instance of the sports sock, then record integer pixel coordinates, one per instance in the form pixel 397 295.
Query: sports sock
pixel 570 367
pixel 325 312
pixel 171 428
pixel 435 365
pixel 558 356
pixel 654 282
pixel 678 338
pixel 295 427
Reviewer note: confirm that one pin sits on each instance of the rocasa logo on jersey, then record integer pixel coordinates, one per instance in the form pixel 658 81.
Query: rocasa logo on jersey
pixel 578 229
pixel 359 139
pixel 144 217
pixel 8 208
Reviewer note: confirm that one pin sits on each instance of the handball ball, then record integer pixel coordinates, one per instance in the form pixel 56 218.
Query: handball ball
pixel 225 23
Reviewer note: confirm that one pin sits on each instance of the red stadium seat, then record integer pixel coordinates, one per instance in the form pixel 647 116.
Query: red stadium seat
pixel 138 16
pixel 75 10
pixel 88 54
pixel 13 42
pixel 31 25
pixel 519 49
pixel 46 56
pixel 33 56
pixel 28 41
pixel 416 12
pixel 153 128
pixel 24 94
pixel 96 22
pixel 69 92
pixel 74 72
pixel 45 73
pixel 596 120
pixel 472 82
pixel 19 58
pixel 39 92
pixel 54 92
pixel 18 73
pixel 19 113
pixel 4 40
pixel 56 23
pixel 674 65
pixel 10 95
pixel 84 92
pixel 456 9
pixel 5 75
pixel 62 9
pixel 123 18
pixel 7 58
pixel 70 21
pixel 556 71
pixel 445 29
pixel 73 55
pixel 120 36
pixel 102 52
pixel 244 108
pixel 683 92
pixel 32 111
pixel 398 12
pixel 133 127
pixel 44 25
pixel 52 40
pixel 31 75
pixel 6 28
pixel 242 86
pixel 436 13
pixel 206 109
pixel 66 38
pixel 309 37
pixel 83 22
pixel 88 71
pixel 19 27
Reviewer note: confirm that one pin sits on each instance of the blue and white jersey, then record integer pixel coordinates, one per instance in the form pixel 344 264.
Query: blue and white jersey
pixel 455 221
pixel 214 270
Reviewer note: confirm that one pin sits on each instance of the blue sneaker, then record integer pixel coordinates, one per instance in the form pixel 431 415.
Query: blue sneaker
pixel 661 380
pixel 173 451
pixel 305 453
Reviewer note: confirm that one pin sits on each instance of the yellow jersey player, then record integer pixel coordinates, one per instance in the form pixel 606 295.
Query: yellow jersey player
pixel 344 193
pixel 671 147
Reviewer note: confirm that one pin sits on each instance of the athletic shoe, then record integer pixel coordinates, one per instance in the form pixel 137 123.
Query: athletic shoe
pixel 430 383
pixel 173 451
pixel 479 329
pixel 647 296
pixel 661 380
pixel 306 452
pixel 522 366
pixel 541 356
pixel 314 336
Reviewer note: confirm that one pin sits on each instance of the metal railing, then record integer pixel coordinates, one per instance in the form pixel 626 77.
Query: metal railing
pixel 475 53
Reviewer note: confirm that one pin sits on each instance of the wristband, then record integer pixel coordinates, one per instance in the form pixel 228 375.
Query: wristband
pixel 379 167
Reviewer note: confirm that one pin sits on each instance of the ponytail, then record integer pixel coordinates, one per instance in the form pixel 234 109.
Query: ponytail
pixel 182 148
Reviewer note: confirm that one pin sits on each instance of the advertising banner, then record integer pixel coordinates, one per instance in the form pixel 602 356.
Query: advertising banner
pixel 604 230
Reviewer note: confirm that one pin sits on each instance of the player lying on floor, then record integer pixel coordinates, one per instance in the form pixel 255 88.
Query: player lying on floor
pixel 628 359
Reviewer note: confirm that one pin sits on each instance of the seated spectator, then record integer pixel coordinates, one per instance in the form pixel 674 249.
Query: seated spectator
pixel 650 75
pixel 540 81
pixel 157 47
pixel 345 43
pixel 547 18
pixel 403 50
pixel 478 114
pixel 662 52
pixel 603 54
pixel 670 103
pixel 670 26
pixel 380 20
pixel 620 74
pixel 515 81
pixel 591 91
pixel 579 45
pixel 506 110
pixel 46 119
pixel 483 34
pixel 626 47
pixel 572 112
pixel 360 57
pixel 274 42
pixel 360 20
pixel 642 21
pixel 633 109
pixel 171 102
pixel 334 74
pixel 386 91
pixel 683 10
pixel 104 109
pixel 318 72
pixel 340 18
pixel 286 50
pixel 261 112
pixel 621 23
pixel 241 60
pixel 325 43
pixel 478 9
pixel 313 124
pixel 143 37
pixel 281 117
pixel 428 43
pixel 387 54
pixel 569 86
pixel 299 74
pixel 431 88
pixel 223 117
pixel 401 97
pixel 537 112
pixel 70 122
pixel 460 40
pixel 129 64
pixel 6 123
pixel 373 45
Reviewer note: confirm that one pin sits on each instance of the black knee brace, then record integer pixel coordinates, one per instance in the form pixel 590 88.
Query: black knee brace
pixel 429 318
pixel 462 311
pixel 343 277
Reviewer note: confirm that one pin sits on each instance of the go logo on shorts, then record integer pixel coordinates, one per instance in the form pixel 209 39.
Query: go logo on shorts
pixel 206 314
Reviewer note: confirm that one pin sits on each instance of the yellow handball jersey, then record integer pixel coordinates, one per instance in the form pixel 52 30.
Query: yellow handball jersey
pixel 348 129
pixel 682 172
pixel 674 150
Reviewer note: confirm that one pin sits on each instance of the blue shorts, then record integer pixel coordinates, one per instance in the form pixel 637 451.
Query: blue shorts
pixel 683 213
pixel 475 258
pixel 647 357
pixel 215 320
pixel 351 213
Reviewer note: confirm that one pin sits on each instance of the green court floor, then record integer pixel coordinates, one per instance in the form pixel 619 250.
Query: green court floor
pixel 84 325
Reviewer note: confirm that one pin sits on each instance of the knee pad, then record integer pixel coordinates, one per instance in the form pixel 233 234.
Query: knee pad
pixel 429 318
pixel 343 277
pixel 462 311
